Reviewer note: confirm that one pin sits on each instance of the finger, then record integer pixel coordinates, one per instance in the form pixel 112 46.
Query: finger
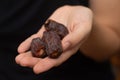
pixel 43 65
pixel 20 56
pixel 26 59
pixel 25 45
pixel 76 36
pixel 29 61
pixel 48 63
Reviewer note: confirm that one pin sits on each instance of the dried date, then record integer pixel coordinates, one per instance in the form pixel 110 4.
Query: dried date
pixel 59 28
pixel 37 47
pixel 53 44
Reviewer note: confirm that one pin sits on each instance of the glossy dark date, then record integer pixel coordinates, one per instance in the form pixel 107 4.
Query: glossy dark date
pixel 59 28
pixel 37 47
pixel 53 44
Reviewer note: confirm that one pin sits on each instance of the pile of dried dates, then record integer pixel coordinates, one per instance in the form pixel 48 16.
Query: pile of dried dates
pixel 50 44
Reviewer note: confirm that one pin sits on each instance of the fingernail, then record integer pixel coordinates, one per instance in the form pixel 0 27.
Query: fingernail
pixel 66 45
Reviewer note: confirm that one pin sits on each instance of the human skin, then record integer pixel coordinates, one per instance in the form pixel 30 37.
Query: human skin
pixel 104 40
pixel 77 19
pixel 96 33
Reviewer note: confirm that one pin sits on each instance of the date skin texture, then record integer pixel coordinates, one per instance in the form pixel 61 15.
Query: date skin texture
pixel 37 47
pixel 53 44
pixel 59 28
pixel 50 44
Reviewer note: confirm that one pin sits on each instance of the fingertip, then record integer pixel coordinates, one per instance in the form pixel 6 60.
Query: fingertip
pixel 18 58
pixel 66 45
pixel 19 49
pixel 35 70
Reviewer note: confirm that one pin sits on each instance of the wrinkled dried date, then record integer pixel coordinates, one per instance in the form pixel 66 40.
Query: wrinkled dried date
pixel 50 44
pixel 53 44
pixel 59 28
pixel 37 47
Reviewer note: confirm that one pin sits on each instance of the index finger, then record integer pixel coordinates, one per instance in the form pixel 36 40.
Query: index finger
pixel 25 45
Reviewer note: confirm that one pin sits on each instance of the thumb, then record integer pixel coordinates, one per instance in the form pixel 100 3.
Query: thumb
pixel 75 37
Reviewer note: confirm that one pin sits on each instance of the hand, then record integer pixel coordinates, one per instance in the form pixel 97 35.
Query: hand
pixel 78 20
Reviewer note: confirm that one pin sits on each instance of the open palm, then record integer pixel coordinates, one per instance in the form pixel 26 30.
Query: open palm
pixel 77 19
